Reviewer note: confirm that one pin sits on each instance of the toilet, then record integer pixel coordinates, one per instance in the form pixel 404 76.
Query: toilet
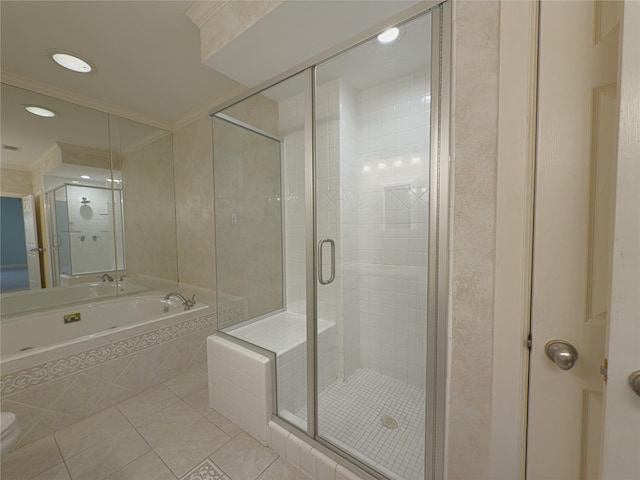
pixel 10 431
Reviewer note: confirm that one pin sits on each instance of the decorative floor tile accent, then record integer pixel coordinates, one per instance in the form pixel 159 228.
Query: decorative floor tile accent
pixel 352 415
pixel 206 470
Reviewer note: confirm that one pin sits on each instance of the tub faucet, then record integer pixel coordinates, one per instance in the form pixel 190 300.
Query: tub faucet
pixel 187 302
pixel 106 277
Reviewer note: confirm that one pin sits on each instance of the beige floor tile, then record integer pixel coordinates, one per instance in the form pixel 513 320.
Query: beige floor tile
pixel 59 472
pixel 222 422
pixel 191 445
pixel 50 422
pixel 105 458
pixel 199 400
pixel 243 457
pixel 147 402
pixel 31 460
pixel 88 395
pixel 159 426
pixel 282 470
pixel 100 427
pixel 149 466
pixel 188 382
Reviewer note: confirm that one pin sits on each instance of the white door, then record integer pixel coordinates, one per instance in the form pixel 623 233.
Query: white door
pixel 31 237
pixel 573 231
pixel 621 440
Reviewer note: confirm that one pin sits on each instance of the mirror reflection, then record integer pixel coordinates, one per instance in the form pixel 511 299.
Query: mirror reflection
pixel 87 202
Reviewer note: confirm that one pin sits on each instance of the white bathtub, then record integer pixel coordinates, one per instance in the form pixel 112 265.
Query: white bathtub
pixel 29 300
pixel 33 333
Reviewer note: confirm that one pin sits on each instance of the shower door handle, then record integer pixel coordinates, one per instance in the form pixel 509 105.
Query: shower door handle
pixel 333 261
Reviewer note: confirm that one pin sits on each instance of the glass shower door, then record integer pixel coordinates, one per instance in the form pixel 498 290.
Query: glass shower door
pixel 372 120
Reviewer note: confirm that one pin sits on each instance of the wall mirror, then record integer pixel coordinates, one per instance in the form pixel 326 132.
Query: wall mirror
pixel 87 203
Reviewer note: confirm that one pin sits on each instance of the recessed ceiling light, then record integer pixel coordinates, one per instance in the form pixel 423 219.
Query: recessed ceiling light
pixel 109 180
pixel 390 35
pixel 71 61
pixel 40 111
pixel 86 177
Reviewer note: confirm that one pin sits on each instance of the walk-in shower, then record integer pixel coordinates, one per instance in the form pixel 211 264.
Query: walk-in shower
pixel 330 210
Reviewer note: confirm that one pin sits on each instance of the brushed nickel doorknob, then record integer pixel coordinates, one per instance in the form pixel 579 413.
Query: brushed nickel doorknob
pixel 562 353
pixel 634 382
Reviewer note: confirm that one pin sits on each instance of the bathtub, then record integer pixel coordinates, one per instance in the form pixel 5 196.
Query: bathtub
pixel 119 348
pixel 29 300
pixel 38 332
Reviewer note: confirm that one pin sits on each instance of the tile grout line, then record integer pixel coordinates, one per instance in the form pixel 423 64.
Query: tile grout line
pixel 202 417
pixel 268 466
pixel 151 449
pixel 64 462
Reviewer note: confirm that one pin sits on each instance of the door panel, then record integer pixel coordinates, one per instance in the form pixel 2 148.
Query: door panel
pixel 621 439
pixel 577 132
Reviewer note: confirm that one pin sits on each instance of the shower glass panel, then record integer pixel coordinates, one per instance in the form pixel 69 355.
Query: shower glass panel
pixel 372 121
pixel 259 176
pixel 84 231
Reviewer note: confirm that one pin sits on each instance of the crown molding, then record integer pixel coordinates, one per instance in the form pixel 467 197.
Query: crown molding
pixel 38 87
pixel 201 12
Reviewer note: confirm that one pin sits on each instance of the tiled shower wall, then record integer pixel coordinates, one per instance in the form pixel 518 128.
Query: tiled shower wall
pixel 393 188
pixel 372 182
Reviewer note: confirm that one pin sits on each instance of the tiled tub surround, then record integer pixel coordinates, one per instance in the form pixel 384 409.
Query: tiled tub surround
pixel 285 334
pixel 57 387
pixel 49 329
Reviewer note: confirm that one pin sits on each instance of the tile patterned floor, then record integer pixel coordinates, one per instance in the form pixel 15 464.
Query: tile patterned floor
pixel 350 416
pixel 167 432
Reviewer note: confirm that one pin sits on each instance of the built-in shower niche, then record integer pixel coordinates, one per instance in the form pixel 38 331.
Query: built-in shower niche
pixel 83 237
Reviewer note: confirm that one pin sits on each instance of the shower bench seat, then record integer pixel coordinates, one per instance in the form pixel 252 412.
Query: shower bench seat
pixel 241 379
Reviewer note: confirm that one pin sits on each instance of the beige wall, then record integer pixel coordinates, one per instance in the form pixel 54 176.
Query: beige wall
pixel 149 210
pixel 474 150
pixel 247 184
pixel 15 183
pixel 193 173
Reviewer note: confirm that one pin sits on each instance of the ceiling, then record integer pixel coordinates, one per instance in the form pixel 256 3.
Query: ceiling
pixel 147 55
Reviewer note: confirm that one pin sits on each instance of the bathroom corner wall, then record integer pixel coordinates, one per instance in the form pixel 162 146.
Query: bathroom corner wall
pixel 193 173
pixel 474 153
pixel 149 210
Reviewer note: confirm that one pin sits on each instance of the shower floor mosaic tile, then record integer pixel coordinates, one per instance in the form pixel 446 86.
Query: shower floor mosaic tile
pixel 167 432
pixel 351 416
